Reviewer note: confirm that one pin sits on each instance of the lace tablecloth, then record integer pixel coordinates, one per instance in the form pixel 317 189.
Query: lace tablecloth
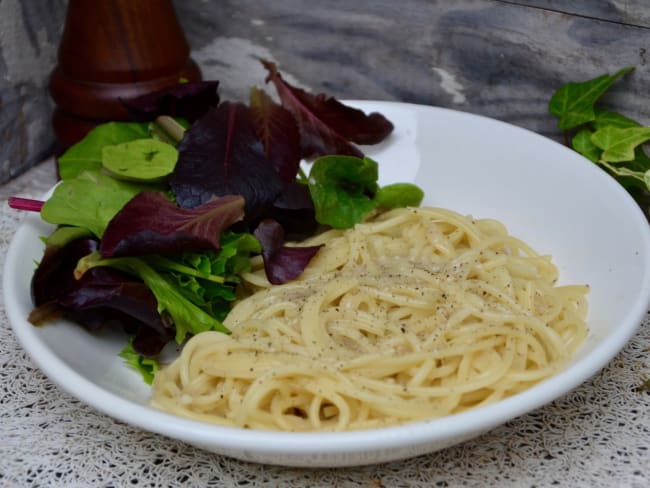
pixel 596 436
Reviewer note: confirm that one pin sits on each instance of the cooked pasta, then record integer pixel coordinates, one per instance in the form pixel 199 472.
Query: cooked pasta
pixel 414 314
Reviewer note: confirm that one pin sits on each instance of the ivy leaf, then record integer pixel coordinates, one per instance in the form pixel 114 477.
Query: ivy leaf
pixel 87 153
pixel 628 177
pixel 279 133
pixel 638 171
pixel 581 143
pixel 641 161
pixel 140 160
pixel 574 103
pixel 605 118
pixel 618 144
pixel 151 224
pixel 342 188
pixel 90 201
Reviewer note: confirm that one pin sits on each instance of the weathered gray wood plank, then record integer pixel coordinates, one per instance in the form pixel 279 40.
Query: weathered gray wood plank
pixel 500 58
pixel 482 56
pixel 632 12
pixel 29 35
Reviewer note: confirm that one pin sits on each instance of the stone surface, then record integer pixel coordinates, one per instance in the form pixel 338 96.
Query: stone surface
pixel 497 58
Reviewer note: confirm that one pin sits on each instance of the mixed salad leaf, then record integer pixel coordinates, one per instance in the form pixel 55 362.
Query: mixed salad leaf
pixel 281 263
pixel 158 218
pixel 278 131
pixel 222 155
pixel 326 125
pixel 87 153
pixel 89 200
pixel 133 232
pixel 189 100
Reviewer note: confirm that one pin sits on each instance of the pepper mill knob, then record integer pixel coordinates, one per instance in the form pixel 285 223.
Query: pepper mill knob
pixel 112 50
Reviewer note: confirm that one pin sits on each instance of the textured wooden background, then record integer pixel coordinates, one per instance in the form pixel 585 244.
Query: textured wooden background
pixel 497 58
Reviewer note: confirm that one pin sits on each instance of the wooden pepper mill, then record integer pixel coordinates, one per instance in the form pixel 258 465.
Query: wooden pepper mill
pixel 112 49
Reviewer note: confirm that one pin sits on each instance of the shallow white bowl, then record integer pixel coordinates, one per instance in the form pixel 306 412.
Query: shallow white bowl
pixel 546 194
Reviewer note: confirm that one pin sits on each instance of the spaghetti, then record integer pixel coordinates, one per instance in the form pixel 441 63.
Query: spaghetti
pixel 415 314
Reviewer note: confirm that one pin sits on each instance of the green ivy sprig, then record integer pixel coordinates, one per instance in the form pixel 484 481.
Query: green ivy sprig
pixel 607 138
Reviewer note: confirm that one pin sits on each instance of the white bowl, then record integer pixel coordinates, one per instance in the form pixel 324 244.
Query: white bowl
pixel 557 201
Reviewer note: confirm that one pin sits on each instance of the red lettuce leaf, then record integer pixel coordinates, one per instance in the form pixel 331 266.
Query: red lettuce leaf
pixel 54 274
pixel 279 133
pixel 222 155
pixel 294 210
pixel 281 263
pixel 133 306
pixel 187 100
pixel 103 297
pixel 326 125
pixel 151 224
pixel 147 341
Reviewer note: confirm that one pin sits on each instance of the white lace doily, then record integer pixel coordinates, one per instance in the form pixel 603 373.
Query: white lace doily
pixel 596 436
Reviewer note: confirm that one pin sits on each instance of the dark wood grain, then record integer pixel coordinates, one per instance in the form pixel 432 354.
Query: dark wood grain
pixel 113 50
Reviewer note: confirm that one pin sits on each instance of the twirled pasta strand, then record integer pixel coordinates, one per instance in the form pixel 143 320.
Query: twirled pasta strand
pixel 415 314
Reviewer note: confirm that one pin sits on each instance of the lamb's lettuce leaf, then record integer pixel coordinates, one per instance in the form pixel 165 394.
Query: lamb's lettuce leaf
pixel 140 160
pixel 87 153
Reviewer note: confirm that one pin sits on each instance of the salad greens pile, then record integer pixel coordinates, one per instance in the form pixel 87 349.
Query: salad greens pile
pixel 608 138
pixel 158 217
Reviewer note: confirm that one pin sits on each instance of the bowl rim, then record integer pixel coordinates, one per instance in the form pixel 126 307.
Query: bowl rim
pixel 311 443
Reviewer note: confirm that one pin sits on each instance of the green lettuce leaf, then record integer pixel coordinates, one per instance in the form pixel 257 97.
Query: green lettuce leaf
pixel 208 279
pixel 140 160
pixel 399 195
pixel 619 144
pixel 147 367
pixel 188 317
pixel 342 188
pixel 90 200
pixel 87 153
